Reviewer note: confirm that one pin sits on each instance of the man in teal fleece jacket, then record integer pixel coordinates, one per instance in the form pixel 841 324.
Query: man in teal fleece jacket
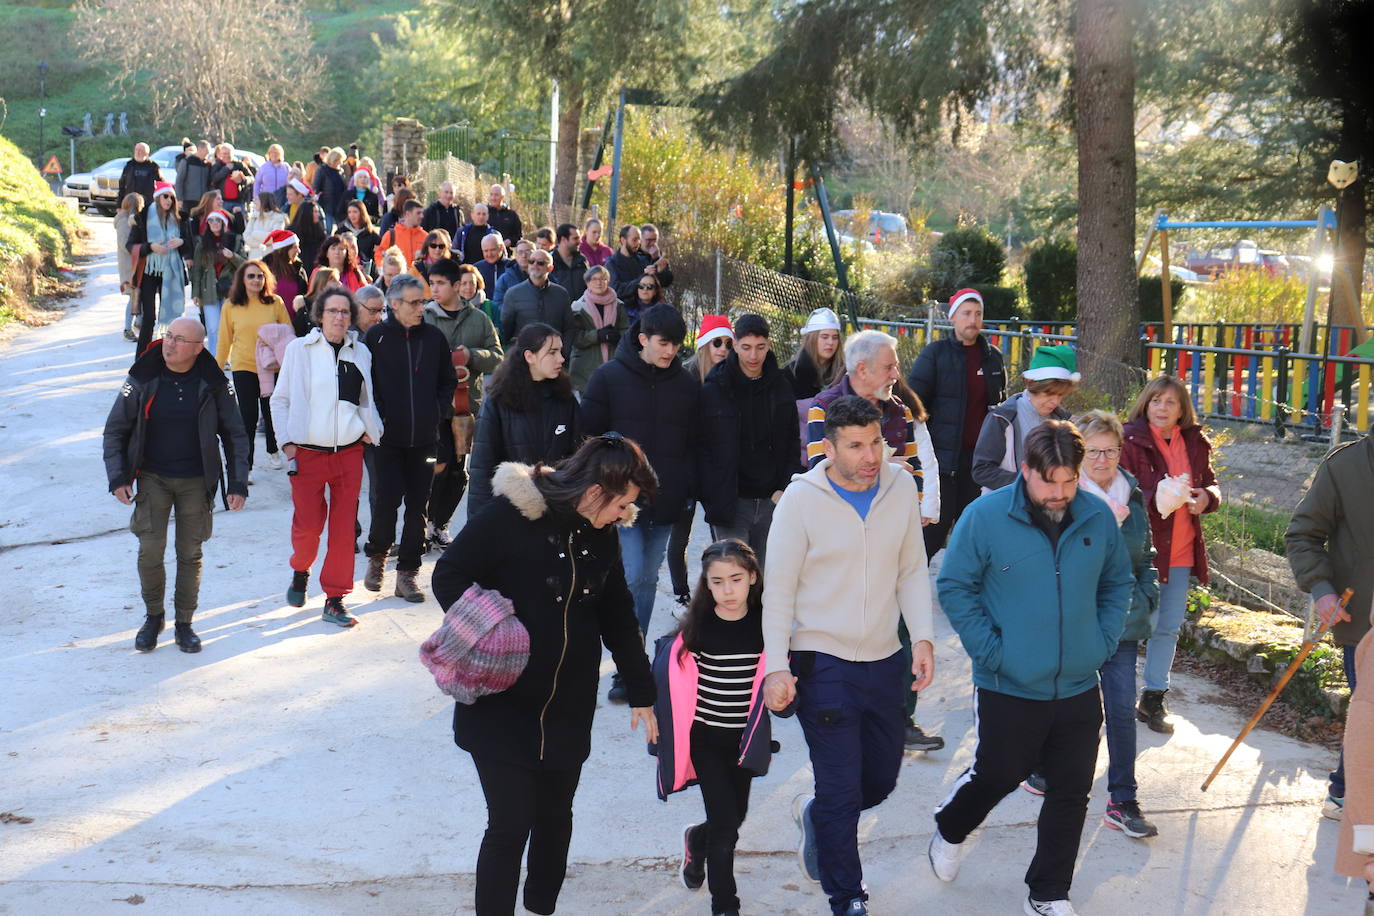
pixel 1037 582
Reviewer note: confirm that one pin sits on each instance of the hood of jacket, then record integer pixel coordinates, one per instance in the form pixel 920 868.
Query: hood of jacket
pixel 515 481
pixel 150 365
pixel 630 352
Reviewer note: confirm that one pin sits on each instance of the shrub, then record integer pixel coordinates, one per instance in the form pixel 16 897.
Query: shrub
pixel 1152 299
pixel 969 256
pixel 1051 280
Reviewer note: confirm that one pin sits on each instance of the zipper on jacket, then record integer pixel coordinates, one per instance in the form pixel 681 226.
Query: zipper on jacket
pixel 567 604
pixel 410 388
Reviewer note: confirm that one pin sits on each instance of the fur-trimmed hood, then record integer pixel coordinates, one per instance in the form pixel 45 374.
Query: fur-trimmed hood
pixel 515 481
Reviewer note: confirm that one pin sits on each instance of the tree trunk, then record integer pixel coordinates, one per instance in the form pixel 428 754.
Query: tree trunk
pixel 569 136
pixel 1347 273
pixel 1108 293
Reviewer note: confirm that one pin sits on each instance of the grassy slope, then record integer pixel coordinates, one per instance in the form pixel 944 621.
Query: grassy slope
pixel 36 231
pixel 75 86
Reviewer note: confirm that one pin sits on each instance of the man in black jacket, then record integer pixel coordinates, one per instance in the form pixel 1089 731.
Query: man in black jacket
pixel 752 443
pixel 193 177
pixel 958 379
pixel 412 381
pixel 443 213
pixel 165 430
pixel 569 266
pixel 629 264
pixel 644 394
pixel 502 218
pixel 537 299
pixel 140 175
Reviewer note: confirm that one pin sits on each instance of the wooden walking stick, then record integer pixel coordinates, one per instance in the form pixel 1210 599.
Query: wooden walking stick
pixel 1292 669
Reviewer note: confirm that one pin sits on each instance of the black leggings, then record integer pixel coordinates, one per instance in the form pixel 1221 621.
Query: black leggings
pixel 725 794
pixel 249 394
pixel 677 550
pixel 149 290
pixel 524 804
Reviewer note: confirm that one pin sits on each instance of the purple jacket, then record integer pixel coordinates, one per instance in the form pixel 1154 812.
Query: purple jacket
pixel 676 679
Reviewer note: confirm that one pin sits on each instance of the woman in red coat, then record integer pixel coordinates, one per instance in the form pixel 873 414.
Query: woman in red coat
pixel 1163 440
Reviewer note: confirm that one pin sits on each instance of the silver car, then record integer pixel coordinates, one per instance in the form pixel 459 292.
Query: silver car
pixel 78 186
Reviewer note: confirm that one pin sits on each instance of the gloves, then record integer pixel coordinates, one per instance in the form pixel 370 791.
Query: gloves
pixel 607 336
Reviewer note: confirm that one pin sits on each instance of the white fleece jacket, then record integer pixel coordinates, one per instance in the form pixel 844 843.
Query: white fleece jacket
pixel 306 408
pixel 836 583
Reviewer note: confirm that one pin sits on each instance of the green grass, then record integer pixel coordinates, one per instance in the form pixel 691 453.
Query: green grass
pixel 342 30
pixel 36 231
pixel 1244 526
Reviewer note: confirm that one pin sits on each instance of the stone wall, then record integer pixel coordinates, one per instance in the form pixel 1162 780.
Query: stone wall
pixel 403 147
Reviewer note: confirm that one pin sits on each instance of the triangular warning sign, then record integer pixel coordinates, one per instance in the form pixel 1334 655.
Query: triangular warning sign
pixel 52 166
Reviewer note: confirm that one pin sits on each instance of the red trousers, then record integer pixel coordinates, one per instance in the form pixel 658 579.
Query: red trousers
pixel 342 473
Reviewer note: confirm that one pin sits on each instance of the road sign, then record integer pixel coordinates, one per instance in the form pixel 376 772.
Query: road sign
pixel 52 166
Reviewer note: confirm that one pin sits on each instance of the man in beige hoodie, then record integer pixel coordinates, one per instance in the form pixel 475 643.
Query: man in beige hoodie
pixel 846 559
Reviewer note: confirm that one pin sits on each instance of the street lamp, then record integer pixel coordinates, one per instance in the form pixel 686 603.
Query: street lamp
pixel 42 105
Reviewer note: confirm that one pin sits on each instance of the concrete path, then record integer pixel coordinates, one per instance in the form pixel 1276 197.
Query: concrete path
pixel 294 768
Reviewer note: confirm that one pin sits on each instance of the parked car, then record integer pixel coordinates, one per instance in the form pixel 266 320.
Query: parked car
pixel 78 186
pixel 1242 255
pixel 882 226
pixel 105 187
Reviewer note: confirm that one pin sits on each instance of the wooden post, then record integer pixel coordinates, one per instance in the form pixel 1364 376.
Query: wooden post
pixel 1166 292
pixel 1145 252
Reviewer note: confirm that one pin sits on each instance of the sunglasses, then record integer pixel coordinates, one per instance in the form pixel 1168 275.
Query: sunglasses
pixel 254 277
pixel 719 342
pixel 437 245
pixel 649 286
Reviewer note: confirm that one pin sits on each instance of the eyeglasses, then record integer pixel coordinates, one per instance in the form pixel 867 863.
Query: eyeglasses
pixel 419 301
pixel 254 277
pixel 719 342
pixel 181 341
pixel 343 312
pixel 371 310
pixel 1095 453
pixel 611 438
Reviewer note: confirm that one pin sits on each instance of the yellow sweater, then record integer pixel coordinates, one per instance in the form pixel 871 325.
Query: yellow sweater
pixel 238 331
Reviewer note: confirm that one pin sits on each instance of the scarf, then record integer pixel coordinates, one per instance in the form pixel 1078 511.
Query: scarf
pixel 1117 496
pixel 602 317
pixel 167 265
pixel 1026 420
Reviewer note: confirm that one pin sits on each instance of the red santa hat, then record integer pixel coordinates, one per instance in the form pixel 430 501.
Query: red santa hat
pixel 300 186
pixel 961 297
pixel 163 187
pixel 366 176
pixel 713 326
pixel 278 239
pixel 221 216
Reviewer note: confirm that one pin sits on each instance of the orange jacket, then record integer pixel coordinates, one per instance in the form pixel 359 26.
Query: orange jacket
pixel 407 239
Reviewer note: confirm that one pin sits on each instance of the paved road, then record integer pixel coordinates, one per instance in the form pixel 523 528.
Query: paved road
pixel 293 768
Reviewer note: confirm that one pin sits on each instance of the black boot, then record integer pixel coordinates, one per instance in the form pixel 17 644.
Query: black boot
pixel 1151 711
pixel 146 640
pixel 187 640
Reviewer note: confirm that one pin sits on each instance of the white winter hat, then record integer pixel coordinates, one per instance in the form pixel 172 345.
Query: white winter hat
pixel 822 319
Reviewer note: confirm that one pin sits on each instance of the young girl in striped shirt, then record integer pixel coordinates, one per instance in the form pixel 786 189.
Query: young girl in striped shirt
pixel 710 674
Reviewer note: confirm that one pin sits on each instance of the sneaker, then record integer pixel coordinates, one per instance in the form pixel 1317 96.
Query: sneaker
pixel 274 461
pixel 857 907
pixel 335 612
pixel 918 740
pixel 1035 907
pixel 408 586
pixel 376 566
pixel 946 857
pixel 187 640
pixel 1334 807
pixel 251 481
pixel 440 537
pixel 808 855
pixel 295 592
pixel 146 640
pixel 693 870
pixel 617 693
pixel 1126 817
pixel 1035 784
pixel 130 336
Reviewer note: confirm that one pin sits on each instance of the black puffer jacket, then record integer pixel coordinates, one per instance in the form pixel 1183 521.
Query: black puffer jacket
pixel 330 188
pixel 567 584
pixel 570 276
pixel 219 422
pixel 548 433
pixel 627 269
pixel 746 419
pixel 939 381
pixel 658 408
pixel 412 381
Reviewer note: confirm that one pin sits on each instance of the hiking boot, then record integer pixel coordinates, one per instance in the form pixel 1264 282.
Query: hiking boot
pixel 295 592
pixel 918 740
pixel 617 693
pixel 693 869
pixel 1035 784
pixel 1035 907
pixel 946 857
pixel 336 613
pixel 153 624
pixel 1151 711
pixel 808 855
pixel 376 566
pixel 408 586
pixel 187 640
pixel 1126 817
pixel 1334 807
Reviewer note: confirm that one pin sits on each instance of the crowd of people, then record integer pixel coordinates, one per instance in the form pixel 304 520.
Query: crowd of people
pixel 843 496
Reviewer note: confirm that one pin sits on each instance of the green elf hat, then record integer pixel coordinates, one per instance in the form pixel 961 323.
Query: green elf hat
pixel 1058 362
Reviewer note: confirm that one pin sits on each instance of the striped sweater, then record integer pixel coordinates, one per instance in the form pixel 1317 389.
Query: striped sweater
pixel 899 428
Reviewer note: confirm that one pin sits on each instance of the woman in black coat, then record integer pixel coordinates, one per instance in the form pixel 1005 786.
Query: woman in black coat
pixel 529 414
pixel 547 542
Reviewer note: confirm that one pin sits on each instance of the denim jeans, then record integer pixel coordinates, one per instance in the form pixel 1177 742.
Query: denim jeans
pixel 209 316
pixel 1159 651
pixel 1337 787
pixel 1118 707
pixel 642 548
